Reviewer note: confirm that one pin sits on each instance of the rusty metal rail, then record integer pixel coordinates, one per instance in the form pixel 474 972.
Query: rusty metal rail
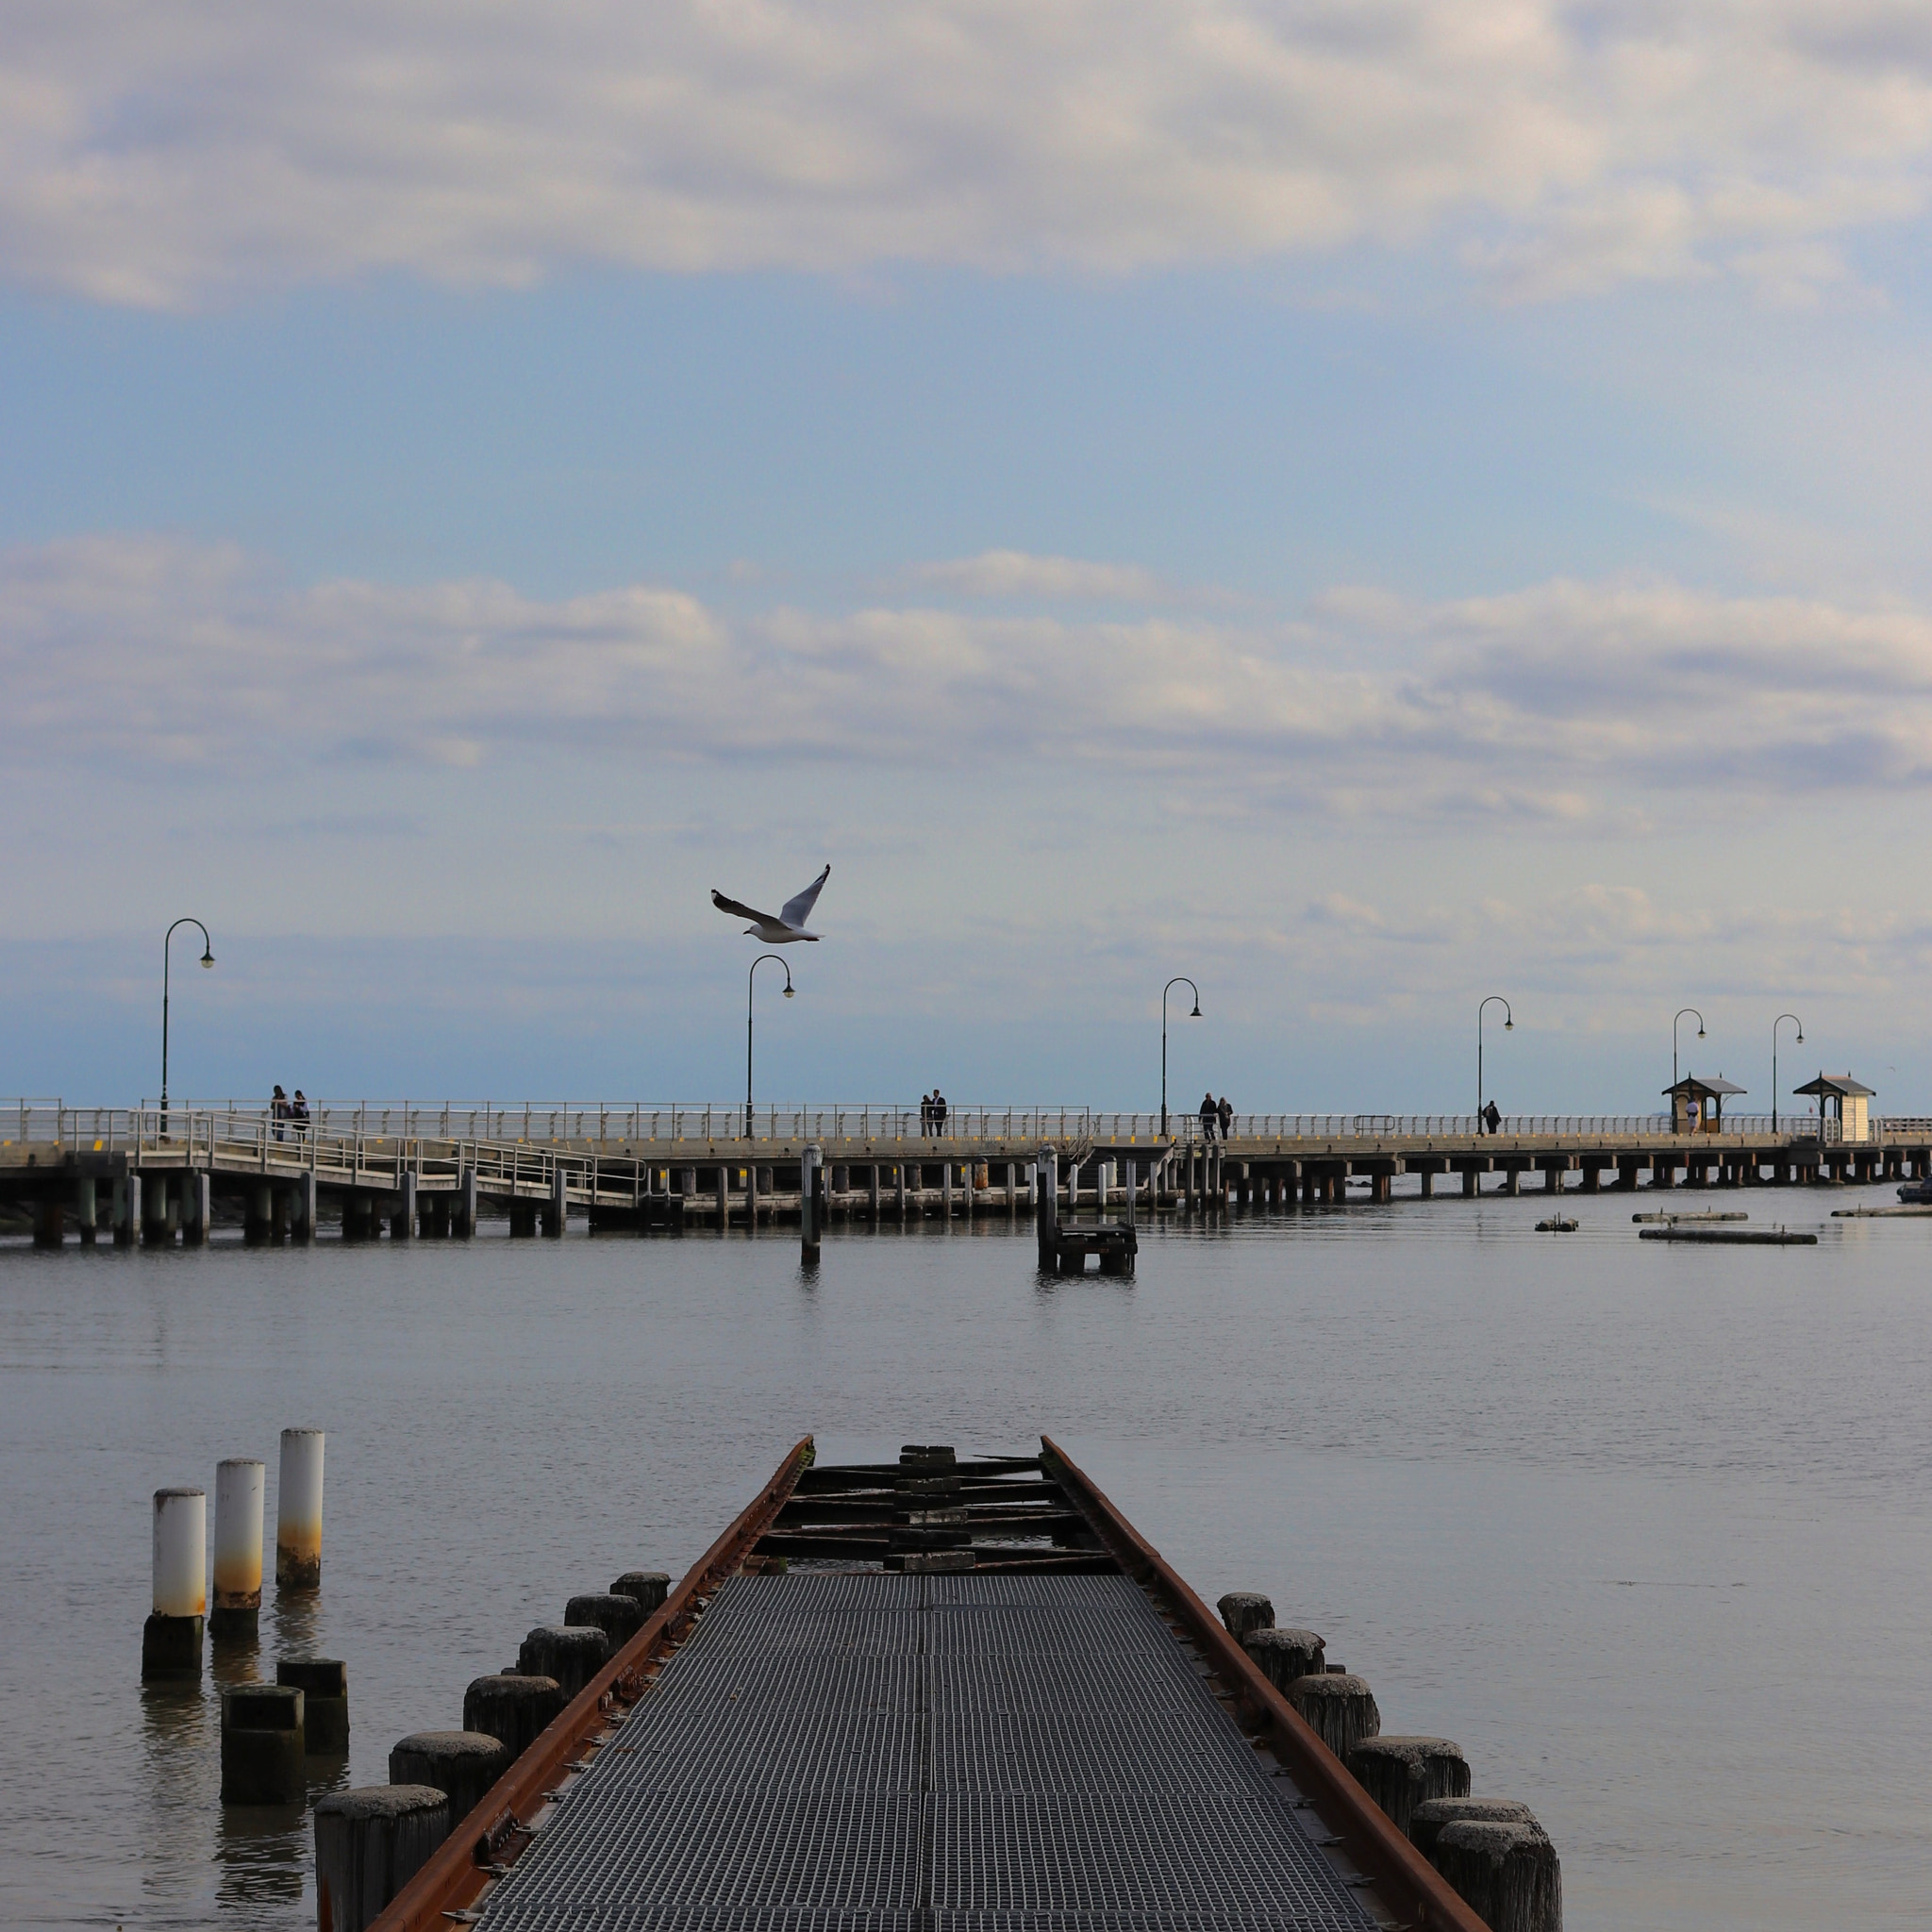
pixel 486 1843
pixel 1406 1883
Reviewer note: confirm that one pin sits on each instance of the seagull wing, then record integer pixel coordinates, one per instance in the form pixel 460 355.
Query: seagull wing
pixel 799 910
pixel 738 910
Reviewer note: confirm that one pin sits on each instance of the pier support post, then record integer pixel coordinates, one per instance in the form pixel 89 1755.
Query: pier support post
pixel 874 1193
pixel 946 1186
pixel 153 1198
pixel 298 1511
pixel 171 1640
pixel 516 1710
pixel 238 1485
pixel 126 1210
pixel 402 1223
pixel 1512 1181
pixel 86 1210
pixel 1339 1708
pixel 751 1196
pixel 1402 1773
pixel 1244 1611
pixel 1047 1223
pixel 809 1205
pixel 902 1192
pixel 305 1206
pixel 261 1745
pixel 462 1765
pixel 261 1212
pixel 324 1682
pixel 50 1222
pixel 570 1653
pixel 1428 1181
pixel 1286 1656
pixel 369 1843
pixel 1472 1183
pixel 554 1218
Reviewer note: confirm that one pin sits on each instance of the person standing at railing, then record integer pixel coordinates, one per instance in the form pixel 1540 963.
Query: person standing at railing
pixel 278 1114
pixel 298 1115
pixel 1210 1116
pixel 939 1113
pixel 1225 1113
pixel 1492 1118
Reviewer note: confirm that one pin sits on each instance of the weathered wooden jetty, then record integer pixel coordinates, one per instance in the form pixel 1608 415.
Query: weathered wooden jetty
pixel 148 1175
pixel 963 1695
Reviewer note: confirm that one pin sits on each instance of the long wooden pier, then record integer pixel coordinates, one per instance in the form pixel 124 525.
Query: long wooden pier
pixel 143 1174
pixel 930 1696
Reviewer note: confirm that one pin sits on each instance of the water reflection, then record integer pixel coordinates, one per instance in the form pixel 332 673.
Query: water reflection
pixel 261 1854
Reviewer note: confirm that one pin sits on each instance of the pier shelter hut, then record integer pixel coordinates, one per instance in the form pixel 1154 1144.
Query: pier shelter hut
pixel 1697 1106
pixel 1841 1098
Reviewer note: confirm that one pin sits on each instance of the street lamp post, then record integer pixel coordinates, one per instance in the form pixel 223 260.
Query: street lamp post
pixel 749 977
pixel 1179 980
pixel 1699 1018
pixel 208 959
pixel 1508 1027
pixel 1774 1026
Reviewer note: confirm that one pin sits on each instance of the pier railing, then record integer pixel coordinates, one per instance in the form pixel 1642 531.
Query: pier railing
pixel 110 1129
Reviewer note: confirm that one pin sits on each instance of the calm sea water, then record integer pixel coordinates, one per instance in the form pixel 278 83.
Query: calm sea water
pixel 1648 1530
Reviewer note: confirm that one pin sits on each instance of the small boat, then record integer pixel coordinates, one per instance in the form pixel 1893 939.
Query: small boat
pixel 1555 1225
pixel 1918 1193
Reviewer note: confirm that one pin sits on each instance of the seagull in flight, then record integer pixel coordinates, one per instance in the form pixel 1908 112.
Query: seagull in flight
pixel 789 927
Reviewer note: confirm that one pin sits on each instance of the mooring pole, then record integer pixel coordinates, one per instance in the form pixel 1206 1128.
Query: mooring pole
pixel 809 1205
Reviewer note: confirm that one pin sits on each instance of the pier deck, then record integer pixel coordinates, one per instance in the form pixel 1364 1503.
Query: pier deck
pixel 996 1710
pixel 431 1171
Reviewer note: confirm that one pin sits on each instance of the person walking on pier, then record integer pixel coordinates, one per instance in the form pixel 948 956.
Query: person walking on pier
pixel 1210 1116
pixel 939 1112
pixel 298 1115
pixel 1225 1112
pixel 278 1113
pixel 1492 1119
pixel 925 1115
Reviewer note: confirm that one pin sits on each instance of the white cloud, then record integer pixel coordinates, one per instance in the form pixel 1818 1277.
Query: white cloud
pixel 1567 704
pixel 174 156
pixel 1015 573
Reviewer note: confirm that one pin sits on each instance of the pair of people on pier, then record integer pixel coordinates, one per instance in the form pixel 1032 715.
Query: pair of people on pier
pixel 1217 1116
pixel 286 1113
pixel 932 1113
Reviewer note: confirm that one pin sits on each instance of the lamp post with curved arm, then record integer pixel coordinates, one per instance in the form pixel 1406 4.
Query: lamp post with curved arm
pixel 1508 1027
pixel 1179 980
pixel 1699 1018
pixel 1774 1026
pixel 749 977
pixel 208 959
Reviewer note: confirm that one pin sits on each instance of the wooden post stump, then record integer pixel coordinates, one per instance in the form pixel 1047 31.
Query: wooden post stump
pixel 1402 1773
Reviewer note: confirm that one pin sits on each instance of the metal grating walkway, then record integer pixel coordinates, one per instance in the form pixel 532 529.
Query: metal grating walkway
pixel 882 1753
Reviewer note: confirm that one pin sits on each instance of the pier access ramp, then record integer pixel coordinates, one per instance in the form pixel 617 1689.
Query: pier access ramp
pixel 878 1752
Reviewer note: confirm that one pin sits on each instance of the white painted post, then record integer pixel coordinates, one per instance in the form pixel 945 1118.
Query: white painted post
pixel 298 1511
pixel 171 1640
pixel 240 1483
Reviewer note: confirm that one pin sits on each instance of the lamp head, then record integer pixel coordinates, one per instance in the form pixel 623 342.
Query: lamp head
pixel 1801 1039
pixel 787 992
pixel 1196 1013
pixel 1508 1026
pixel 1700 1033
pixel 208 957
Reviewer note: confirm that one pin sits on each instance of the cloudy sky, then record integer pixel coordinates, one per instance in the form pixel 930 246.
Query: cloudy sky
pixel 1366 504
